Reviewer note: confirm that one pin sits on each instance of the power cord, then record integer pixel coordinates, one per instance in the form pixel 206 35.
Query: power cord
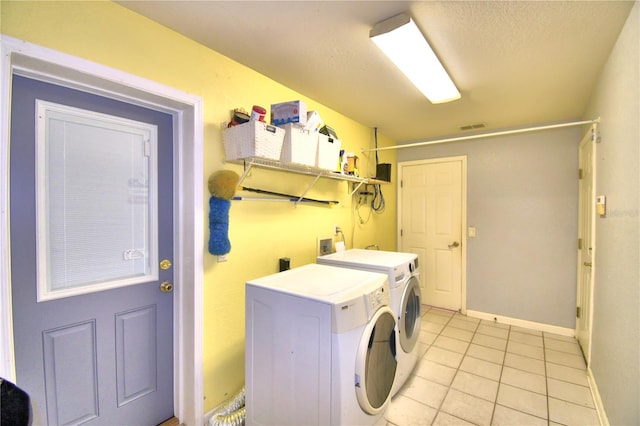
pixel 377 203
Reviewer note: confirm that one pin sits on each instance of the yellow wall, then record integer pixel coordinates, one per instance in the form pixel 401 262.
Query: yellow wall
pixel 260 232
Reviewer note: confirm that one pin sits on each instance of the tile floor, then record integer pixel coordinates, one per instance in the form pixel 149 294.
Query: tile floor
pixel 479 372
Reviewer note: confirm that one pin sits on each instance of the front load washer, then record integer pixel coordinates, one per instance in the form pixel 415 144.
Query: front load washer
pixel 320 347
pixel 403 273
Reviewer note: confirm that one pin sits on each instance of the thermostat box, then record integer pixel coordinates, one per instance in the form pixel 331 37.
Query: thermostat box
pixel 289 112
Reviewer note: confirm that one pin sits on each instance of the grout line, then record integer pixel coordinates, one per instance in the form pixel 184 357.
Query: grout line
pixel 546 377
pixel 504 358
pixel 502 366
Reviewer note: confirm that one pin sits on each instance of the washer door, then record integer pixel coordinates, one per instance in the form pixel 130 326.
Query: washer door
pixel 376 362
pixel 409 321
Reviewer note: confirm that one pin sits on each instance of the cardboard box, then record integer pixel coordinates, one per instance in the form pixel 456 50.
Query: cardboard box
pixel 314 121
pixel 289 112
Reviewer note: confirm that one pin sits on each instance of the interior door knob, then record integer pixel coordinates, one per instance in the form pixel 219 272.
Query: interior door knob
pixel 454 245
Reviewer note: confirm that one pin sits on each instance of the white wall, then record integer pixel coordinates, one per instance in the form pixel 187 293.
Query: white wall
pixel 523 200
pixel 615 356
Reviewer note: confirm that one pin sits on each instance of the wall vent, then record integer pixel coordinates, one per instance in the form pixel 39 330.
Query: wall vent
pixel 473 126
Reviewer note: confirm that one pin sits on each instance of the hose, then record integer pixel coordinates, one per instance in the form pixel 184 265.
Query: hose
pixel 232 412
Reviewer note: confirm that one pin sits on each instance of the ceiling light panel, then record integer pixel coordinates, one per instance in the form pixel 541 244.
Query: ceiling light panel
pixel 401 40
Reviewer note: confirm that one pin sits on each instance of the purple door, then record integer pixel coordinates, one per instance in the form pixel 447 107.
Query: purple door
pixel 91 212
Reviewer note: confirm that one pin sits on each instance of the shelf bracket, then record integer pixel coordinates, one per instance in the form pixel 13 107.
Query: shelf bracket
pixel 247 169
pixel 308 189
pixel 356 187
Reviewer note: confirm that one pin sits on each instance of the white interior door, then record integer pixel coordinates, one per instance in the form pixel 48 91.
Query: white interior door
pixel 91 215
pixel 586 243
pixel 431 224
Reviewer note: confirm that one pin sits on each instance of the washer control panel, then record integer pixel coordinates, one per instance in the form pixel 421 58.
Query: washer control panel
pixel 377 298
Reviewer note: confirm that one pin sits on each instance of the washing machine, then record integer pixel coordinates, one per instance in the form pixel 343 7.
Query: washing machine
pixel 320 347
pixel 403 273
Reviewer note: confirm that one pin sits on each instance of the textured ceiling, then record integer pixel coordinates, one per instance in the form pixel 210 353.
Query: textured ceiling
pixel 516 63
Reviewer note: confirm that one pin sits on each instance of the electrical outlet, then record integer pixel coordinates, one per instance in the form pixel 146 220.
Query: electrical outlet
pixel 336 229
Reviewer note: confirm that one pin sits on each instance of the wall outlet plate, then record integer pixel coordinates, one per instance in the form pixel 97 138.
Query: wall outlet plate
pixel 325 245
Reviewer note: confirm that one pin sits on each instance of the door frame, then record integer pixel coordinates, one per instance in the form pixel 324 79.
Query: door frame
pixel 30 60
pixel 463 231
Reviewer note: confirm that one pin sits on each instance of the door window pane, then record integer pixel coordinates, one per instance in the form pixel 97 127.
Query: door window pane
pixel 97 216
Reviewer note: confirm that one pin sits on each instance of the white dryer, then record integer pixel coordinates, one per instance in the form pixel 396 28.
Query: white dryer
pixel 403 273
pixel 319 347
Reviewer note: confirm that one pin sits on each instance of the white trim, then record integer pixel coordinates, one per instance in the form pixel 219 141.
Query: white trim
pixel 597 400
pixel 547 328
pixel 187 110
pixel 463 222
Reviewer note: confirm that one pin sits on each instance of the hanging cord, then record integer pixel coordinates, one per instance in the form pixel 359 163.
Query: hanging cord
pixel 375 140
pixel 363 221
pixel 377 203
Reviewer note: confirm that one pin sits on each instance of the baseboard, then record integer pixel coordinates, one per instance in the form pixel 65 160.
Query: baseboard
pixel 597 400
pixel 522 323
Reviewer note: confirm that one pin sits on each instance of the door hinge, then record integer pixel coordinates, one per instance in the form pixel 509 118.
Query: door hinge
pixel 401 183
pixel 578 312
pixel 579 173
pixel 579 243
pixel 401 232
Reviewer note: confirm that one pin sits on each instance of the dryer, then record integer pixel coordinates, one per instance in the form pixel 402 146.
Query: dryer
pixel 403 273
pixel 320 347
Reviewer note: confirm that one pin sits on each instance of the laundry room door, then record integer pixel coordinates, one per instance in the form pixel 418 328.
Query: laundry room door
pixel 586 245
pixel 431 223
pixel 91 222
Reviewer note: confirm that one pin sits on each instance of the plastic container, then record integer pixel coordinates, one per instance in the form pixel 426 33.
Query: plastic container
pixel 328 152
pixel 253 139
pixel 258 113
pixel 300 146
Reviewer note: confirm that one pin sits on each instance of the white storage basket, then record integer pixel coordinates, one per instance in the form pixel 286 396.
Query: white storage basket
pixel 300 146
pixel 328 153
pixel 253 139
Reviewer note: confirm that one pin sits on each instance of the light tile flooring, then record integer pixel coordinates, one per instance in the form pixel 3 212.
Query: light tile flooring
pixel 485 373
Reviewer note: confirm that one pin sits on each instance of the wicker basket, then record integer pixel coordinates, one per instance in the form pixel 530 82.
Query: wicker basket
pixel 253 139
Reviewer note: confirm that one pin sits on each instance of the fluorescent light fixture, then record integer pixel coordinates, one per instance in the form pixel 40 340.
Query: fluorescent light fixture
pixel 401 40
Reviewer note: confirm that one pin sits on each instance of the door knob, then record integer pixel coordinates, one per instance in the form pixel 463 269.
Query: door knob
pixel 166 287
pixel 588 264
pixel 454 245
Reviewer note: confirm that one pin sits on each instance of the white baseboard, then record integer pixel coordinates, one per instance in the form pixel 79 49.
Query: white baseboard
pixel 522 323
pixel 597 400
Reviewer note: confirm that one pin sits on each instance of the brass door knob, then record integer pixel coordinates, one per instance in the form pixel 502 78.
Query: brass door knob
pixel 454 245
pixel 166 287
pixel 588 264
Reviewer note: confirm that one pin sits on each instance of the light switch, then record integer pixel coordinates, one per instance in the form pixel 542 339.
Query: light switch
pixel 601 205
pixel 472 232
